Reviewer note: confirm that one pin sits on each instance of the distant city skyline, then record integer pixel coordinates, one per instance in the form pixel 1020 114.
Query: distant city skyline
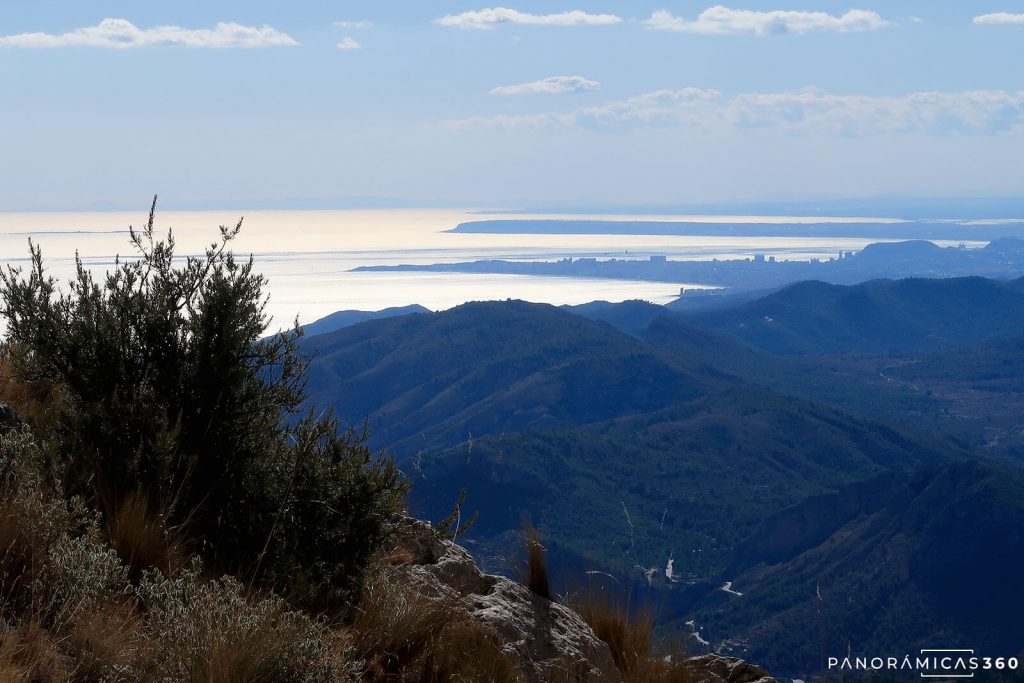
pixel 528 104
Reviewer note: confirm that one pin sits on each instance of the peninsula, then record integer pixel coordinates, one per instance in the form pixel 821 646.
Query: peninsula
pixel 870 229
pixel 1000 258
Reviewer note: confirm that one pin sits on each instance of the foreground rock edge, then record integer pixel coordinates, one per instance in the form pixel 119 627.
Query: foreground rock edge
pixel 544 639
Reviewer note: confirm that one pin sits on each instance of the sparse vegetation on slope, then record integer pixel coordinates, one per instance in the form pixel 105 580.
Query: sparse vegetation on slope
pixel 167 512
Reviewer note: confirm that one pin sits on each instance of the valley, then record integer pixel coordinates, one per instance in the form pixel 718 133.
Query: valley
pixel 633 435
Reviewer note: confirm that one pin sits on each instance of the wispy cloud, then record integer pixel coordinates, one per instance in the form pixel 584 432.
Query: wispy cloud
pixel 686 106
pixel 554 85
pixel 999 18
pixel 721 20
pixel 352 24
pixel 348 43
pixel 121 33
pixel 488 18
pixel 802 111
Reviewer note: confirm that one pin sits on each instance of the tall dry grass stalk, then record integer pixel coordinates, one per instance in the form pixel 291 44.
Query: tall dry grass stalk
pixel 537 578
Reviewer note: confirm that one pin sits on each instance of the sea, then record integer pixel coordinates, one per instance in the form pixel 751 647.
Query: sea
pixel 308 256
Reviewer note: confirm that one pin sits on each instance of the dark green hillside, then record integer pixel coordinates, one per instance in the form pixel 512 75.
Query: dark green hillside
pixel 919 559
pixel 878 316
pixel 629 451
pixel 632 317
pixel 435 380
pixel 695 478
pixel 996 366
pixel 851 385
pixel 716 300
pixel 970 395
pixel 537 410
pixel 342 319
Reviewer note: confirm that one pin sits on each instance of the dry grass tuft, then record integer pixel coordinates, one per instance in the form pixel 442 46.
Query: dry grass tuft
pixel 398 556
pixel 403 635
pixel 629 635
pixel 141 537
pixel 21 555
pixel 536 579
pixel 29 654
pixel 468 651
pixel 106 639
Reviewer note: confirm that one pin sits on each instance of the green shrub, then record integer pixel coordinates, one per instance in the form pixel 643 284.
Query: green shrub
pixel 178 399
pixel 335 500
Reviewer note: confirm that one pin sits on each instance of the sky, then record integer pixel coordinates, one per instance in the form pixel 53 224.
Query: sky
pixel 403 103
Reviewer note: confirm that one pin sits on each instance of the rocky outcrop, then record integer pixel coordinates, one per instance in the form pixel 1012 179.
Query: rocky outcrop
pixel 545 640
pixel 719 669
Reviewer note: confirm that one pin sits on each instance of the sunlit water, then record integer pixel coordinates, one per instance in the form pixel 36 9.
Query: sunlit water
pixel 308 255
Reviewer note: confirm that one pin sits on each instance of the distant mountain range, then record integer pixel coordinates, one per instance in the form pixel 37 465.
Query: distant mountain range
pixel 341 319
pixel 433 381
pixel 877 316
pixel 822 437
pixel 880 229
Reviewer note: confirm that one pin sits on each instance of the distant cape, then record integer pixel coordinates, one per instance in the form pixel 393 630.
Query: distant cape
pixel 876 230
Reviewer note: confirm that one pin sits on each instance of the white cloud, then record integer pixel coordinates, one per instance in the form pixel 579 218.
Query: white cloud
pixel 121 33
pixel 719 20
pixel 998 18
pixel 800 112
pixel 979 111
pixel 348 44
pixel 353 24
pixel 487 18
pixel 554 85
pixel 686 106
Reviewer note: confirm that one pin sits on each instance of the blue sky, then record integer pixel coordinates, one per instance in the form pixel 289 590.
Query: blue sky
pixel 257 103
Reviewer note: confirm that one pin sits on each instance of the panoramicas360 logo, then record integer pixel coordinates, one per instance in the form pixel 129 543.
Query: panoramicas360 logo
pixel 945 664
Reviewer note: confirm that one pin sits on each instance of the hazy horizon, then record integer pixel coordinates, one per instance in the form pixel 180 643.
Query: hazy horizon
pixel 310 271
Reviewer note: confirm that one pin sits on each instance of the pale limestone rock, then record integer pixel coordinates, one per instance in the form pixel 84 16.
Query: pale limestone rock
pixel 543 637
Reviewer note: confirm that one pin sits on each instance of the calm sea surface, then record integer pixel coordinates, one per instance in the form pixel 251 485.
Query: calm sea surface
pixel 308 255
